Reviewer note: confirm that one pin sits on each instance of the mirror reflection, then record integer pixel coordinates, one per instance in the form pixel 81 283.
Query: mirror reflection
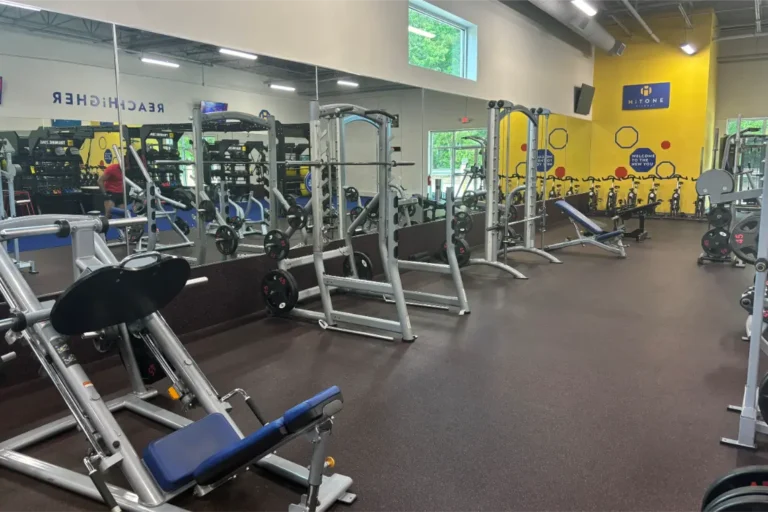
pixel 55 135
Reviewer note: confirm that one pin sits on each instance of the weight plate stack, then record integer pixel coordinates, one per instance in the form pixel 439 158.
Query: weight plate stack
pixel 463 253
pixel 744 238
pixel 715 243
pixel 719 216
pixel 276 245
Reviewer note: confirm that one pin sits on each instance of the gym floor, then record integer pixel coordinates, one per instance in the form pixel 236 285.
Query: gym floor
pixel 599 384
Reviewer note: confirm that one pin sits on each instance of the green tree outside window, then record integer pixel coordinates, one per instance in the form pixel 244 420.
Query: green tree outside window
pixel 439 47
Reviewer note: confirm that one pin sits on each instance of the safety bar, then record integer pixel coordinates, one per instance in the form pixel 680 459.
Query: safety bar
pixel 63 228
pixel 393 163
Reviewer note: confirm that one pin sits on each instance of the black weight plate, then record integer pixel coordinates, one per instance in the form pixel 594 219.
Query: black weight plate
pixel 297 217
pixel 715 243
pixel 741 492
pixel 462 223
pixel 355 212
pixel 751 501
pixel 280 291
pixel 363 264
pixel 276 245
pixel 744 238
pixel 462 252
pixel 182 225
pixel 469 199
pixel 719 216
pixel 740 477
pixel 226 240
pixel 411 210
pixel 207 211
pixel 351 194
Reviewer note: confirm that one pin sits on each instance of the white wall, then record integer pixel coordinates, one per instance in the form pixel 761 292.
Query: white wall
pixel 741 85
pixel 517 60
pixel 35 69
pixel 418 116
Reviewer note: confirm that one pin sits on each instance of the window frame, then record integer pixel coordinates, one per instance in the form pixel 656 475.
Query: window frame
pixel 463 41
pixel 455 145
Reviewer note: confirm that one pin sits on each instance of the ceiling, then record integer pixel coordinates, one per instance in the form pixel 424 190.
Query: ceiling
pixel 139 42
pixel 734 17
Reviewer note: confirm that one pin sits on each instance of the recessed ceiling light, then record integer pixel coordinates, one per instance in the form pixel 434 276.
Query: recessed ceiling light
pixel 584 7
pixel 347 83
pixel 282 87
pixel 688 48
pixel 236 53
pixel 420 32
pixel 157 62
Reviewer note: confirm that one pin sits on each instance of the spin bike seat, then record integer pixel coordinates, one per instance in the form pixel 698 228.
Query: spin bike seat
pixel 117 294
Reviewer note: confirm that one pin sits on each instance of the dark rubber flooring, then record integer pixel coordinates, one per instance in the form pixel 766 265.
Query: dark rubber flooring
pixel 600 384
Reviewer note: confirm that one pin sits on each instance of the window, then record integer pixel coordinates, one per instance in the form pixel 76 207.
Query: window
pixel 452 150
pixel 759 123
pixel 440 41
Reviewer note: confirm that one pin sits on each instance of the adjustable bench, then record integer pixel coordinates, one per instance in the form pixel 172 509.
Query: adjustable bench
pixel 209 451
pixel 589 233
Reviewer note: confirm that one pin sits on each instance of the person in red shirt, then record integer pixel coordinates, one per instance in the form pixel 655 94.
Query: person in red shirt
pixel 111 185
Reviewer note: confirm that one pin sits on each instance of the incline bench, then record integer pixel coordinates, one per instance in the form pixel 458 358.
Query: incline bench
pixel 590 233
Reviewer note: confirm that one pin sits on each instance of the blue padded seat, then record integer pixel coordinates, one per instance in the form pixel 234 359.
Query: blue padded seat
pixel 235 456
pixel 300 416
pixel 172 459
pixel 579 217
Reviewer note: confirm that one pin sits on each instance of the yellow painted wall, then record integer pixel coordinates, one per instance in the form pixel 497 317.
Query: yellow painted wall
pixel 570 144
pixel 684 125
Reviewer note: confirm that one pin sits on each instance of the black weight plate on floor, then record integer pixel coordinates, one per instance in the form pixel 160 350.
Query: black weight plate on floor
pixel 276 245
pixel 363 264
pixel 226 240
pixel 748 501
pixel 297 216
pixel 280 291
pixel 741 492
pixel 462 252
pixel 715 243
pixel 740 477
pixel 744 238
pixel 719 216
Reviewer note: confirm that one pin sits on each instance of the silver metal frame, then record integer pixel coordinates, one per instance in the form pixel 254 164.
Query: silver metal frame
pixel 750 422
pixel 93 416
pixel 9 173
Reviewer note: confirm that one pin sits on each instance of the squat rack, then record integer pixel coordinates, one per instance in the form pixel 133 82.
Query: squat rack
pixel 9 173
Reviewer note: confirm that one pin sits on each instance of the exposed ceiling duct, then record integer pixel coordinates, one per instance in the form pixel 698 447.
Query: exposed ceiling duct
pixel 585 26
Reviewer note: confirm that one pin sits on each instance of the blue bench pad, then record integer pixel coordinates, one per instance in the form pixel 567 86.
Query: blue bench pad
pixel 209 449
pixel 579 217
pixel 173 459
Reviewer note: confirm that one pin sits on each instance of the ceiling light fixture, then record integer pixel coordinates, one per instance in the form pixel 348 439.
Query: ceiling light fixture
pixel 157 62
pixel 419 32
pixel 688 48
pixel 282 87
pixel 235 53
pixel 20 6
pixel 347 83
pixel 584 7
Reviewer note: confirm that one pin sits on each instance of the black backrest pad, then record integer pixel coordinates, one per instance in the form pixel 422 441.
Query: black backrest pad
pixel 114 295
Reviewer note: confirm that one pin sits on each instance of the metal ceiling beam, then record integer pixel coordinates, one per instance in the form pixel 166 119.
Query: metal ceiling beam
pixel 685 16
pixel 640 20
pixel 741 36
pixel 758 21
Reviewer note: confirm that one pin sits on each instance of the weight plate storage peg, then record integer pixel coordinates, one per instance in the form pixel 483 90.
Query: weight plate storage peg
pixel 715 243
pixel 276 245
pixel 226 240
pixel 462 251
pixel 744 238
pixel 363 264
pixel 280 291
pixel 297 217
pixel 719 216
pixel 462 223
